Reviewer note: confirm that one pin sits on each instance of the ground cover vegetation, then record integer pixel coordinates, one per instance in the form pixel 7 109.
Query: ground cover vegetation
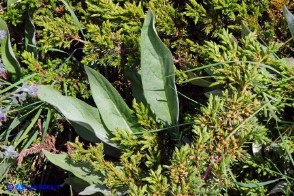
pixel 151 97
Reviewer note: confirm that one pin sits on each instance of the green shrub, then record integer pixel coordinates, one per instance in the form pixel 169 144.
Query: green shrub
pixel 211 156
pixel 240 141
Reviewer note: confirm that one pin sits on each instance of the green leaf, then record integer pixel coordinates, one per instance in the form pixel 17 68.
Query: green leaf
pixel 5 166
pixel 158 78
pixel 136 85
pixel 198 81
pixel 9 60
pixel 28 129
pixel 255 185
pixel 96 188
pixel 290 20
pixel 81 171
pixel 114 111
pixel 74 17
pixel 30 39
pixel 85 118
pixel 76 183
pixel 17 83
pixel 10 3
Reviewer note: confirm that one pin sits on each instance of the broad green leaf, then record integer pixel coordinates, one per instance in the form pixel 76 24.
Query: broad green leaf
pixel 114 111
pixel 9 60
pixel 30 39
pixel 290 20
pixel 85 118
pixel 157 73
pixel 81 171
pixel 96 188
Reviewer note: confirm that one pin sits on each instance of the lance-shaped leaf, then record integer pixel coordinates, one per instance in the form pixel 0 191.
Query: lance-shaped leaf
pixel 84 174
pixel 10 62
pixel 81 170
pixel 157 73
pixel 30 38
pixel 290 20
pixel 85 118
pixel 255 185
pixel 115 113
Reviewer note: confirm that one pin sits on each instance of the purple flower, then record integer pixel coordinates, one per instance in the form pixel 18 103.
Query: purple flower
pixel 2 34
pixel 9 152
pixel 33 89
pixel 30 90
pixel 3 115
pixel 21 93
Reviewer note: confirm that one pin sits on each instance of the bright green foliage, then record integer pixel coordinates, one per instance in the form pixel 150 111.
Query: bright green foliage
pixel 221 117
pixel 212 157
pixel 256 69
pixel 184 172
pixel 57 71
pixel 112 112
pixel 17 9
pixel 239 142
pixel 144 117
pixel 111 30
pixel 213 15
pixel 55 34
pixel 185 177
